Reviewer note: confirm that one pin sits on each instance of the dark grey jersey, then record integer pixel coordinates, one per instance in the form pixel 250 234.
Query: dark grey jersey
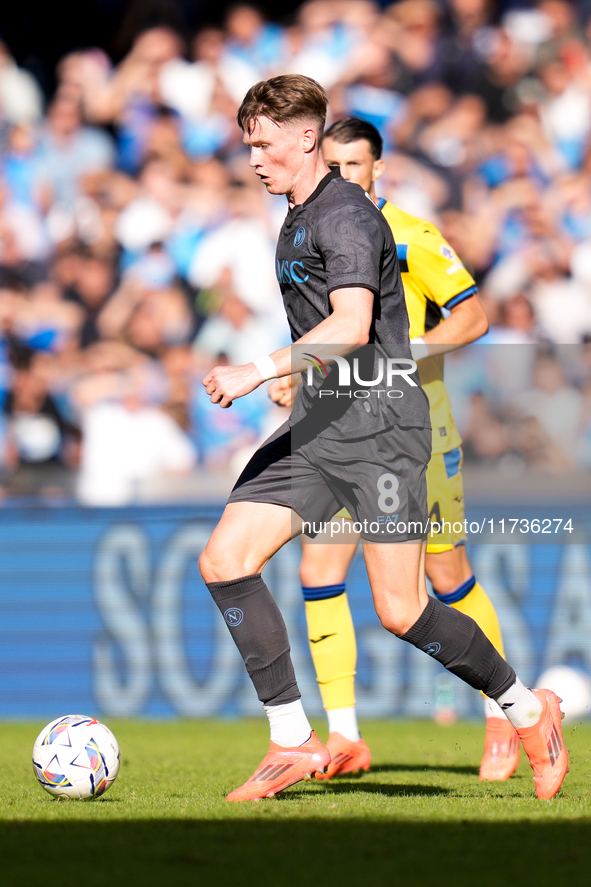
pixel 338 238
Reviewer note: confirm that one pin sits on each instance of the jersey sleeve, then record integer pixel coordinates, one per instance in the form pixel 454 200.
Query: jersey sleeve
pixel 351 241
pixel 437 269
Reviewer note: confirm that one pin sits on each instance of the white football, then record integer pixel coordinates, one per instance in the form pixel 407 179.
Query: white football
pixel 573 687
pixel 76 757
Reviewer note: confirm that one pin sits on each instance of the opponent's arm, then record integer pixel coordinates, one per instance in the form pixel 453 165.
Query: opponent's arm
pixel 466 323
pixel 348 326
pixel 442 277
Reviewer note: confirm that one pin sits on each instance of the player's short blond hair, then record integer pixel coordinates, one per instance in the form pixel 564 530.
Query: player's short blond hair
pixel 283 99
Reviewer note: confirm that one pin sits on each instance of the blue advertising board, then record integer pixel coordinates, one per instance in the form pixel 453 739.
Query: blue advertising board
pixel 103 611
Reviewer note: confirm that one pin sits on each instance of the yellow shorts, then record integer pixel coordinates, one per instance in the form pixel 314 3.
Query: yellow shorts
pixel 445 496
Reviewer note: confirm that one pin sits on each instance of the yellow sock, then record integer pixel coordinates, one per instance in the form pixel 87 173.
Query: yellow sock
pixel 333 647
pixel 478 605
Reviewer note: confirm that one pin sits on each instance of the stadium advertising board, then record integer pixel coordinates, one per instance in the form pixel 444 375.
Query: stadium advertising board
pixel 103 611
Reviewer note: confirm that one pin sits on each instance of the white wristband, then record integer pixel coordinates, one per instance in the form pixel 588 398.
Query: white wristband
pixel 419 348
pixel 266 367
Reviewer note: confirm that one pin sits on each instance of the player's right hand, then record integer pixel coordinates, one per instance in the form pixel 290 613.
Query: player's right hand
pixel 282 391
pixel 225 383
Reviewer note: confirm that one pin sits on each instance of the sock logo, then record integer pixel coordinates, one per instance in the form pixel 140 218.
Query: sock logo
pixel 322 637
pixel 233 616
pixel 433 648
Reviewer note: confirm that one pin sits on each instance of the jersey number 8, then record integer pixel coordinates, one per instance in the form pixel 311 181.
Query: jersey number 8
pixel 388 500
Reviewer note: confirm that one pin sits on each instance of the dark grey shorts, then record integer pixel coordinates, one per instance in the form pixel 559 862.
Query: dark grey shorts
pixel 379 480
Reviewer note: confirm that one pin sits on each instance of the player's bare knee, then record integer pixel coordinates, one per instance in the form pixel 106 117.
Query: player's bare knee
pixel 448 570
pixel 325 564
pixel 445 583
pixel 314 574
pixel 207 567
pixel 310 576
pixel 216 568
pixel 216 565
pixel 390 620
pixel 398 614
pixel 309 571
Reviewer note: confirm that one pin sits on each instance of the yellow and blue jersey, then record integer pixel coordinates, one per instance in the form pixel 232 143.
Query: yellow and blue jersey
pixel 434 278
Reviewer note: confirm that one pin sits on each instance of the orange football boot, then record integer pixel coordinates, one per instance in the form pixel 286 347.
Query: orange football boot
pixel 283 767
pixel 544 746
pixel 501 750
pixel 346 756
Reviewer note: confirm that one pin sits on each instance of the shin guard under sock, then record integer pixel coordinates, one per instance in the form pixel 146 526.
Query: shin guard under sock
pixel 259 632
pixel 462 647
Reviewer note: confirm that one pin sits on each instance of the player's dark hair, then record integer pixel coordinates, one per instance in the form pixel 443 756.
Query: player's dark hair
pixel 352 129
pixel 283 99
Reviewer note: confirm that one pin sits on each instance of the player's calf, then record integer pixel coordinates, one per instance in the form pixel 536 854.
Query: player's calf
pixel 259 632
pixel 460 645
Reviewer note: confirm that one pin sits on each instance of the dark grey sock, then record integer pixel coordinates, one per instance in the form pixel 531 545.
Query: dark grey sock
pixel 259 632
pixel 456 641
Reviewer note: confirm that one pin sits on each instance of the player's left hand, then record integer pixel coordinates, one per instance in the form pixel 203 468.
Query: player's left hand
pixel 283 391
pixel 225 384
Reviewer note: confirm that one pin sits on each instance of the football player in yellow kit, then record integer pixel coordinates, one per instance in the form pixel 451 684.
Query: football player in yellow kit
pixel 443 309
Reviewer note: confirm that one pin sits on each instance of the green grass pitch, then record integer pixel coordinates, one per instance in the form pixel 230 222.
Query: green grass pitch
pixel 420 817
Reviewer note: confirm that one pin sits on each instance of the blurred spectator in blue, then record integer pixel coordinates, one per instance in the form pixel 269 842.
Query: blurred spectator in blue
pixel 130 97
pixel 25 245
pixel 68 150
pixel 19 166
pixel 324 41
pixel 252 40
pixel 206 91
pixel 371 95
pixel 129 439
pixel 242 246
pixel 565 111
pixel 44 321
pixel 221 434
pixel 511 323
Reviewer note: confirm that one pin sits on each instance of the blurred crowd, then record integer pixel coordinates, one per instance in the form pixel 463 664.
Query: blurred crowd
pixel 523 408
pixel 137 247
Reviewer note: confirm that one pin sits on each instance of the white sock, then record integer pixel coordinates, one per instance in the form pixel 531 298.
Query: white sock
pixel 344 721
pixel 288 722
pixel 492 709
pixel 520 705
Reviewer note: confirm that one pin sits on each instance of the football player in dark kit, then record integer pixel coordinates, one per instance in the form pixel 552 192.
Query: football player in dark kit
pixel 342 291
